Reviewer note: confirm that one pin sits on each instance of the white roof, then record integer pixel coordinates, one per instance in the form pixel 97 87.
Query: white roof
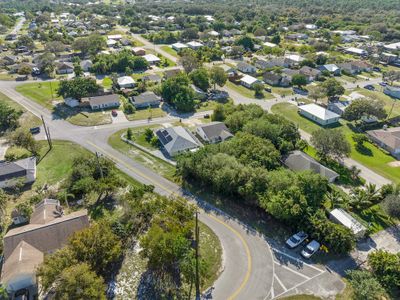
pixel 294 57
pixel 393 46
pixel 151 58
pixel 347 220
pixel 114 37
pixel 318 111
pixel 249 79
pixel 213 33
pixel 111 42
pixel 209 18
pixel 268 44
pixel 179 45
pixel 311 26
pixel 355 50
pixel 195 44
pixel 125 80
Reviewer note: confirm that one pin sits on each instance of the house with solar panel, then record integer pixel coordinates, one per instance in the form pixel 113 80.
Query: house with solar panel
pixel 12 172
pixel 176 140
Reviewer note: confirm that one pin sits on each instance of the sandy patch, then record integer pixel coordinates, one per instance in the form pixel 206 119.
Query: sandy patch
pixel 394 164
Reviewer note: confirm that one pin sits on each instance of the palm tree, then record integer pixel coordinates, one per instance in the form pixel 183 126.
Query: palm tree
pixel 362 198
pixel 336 199
pixel 64 195
pixel 354 172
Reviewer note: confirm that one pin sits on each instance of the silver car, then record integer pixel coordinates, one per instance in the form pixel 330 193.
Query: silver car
pixel 310 249
pixel 296 239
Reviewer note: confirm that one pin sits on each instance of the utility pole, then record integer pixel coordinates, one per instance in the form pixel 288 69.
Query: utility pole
pixel 46 130
pixel 98 165
pixel 51 90
pixel 197 257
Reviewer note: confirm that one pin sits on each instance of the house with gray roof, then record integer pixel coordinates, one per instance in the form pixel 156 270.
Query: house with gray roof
pixel 331 68
pixel 147 99
pixel 12 172
pixel 300 161
pixel 246 68
pixel 388 139
pixel 103 102
pixel 177 140
pixel 214 132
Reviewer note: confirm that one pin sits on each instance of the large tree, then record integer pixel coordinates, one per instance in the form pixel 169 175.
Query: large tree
pixel 330 143
pixel 365 107
pixel 386 267
pixel 299 79
pixel 78 87
pixel 189 61
pixel 218 76
pixel 177 92
pixel 365 286
pixel 8 117
pixel 333 88
pixel 91 44
pixel 200 78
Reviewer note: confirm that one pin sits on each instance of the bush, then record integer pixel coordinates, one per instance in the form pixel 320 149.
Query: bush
pixel 129 108
pixel 391 205
pixel 365 285
pixel 386 267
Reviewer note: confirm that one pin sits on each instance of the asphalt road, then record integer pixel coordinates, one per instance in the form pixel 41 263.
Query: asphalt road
pixel 254 267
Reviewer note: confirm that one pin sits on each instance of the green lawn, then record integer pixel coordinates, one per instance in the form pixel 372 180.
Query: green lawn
pixel 386 99
pixel 240 89
pixel 375 219
pixel 41 92
pixel 371 156
pixel 282 91
pixel 90 118
pixel 142 114
pixel 7 77
pixel 207 105
pixel 169 50
pixel 27 119
pixel 154 163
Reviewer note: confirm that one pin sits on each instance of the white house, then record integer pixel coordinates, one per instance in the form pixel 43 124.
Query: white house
pixel 340 216
pixel 12 172
pixel 246 68
pixel 268 44
pixel 178 46
pixel 249 81
pixel 152 59
pixel 319 114
pixel 105 101
pixel 195 45
pixel 126 82
pixel 213 33
pixel 356 51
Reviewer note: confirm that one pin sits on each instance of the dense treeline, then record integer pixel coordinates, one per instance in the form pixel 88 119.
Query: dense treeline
pixel 248 168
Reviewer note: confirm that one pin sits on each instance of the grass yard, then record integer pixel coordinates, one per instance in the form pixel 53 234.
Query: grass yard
pixel 169 50
pixel 282 91
pixel 142 114
pixel 371 156
pixel 154 163
pixel 386 99
pixel 207 105
pixel 27 119
pixel 7 77
pixel 375 219
pixel 90 118
pixel 240 89
pixel 40 92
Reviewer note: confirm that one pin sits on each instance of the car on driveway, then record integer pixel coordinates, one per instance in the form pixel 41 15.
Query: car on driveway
pixel 296 239
pixel 35 130
pixel 369 87
pixel 310 249
pixel 383 83
pixel 114 113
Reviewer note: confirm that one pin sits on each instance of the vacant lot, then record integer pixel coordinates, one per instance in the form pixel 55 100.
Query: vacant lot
pixel 43 93
pixel 169 50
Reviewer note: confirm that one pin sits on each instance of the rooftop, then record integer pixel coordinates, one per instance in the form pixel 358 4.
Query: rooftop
pixel 318 111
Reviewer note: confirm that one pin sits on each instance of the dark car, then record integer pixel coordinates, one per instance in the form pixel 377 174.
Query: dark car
pixel 21 78
pixel 369 87
pixel 267 89
pixel 383 83
pixel 114 113
pixel 376 69
pixel 35 130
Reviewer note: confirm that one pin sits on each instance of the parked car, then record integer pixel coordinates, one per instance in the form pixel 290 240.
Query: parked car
pixel 296 239
pixel 21 78
pixel 310 249
pixel 376 69
pixel 383 83
pixel 114 113
pixel 206 116
pixel 369 87
pixel 35 130
pixel 112 286
pixel 267 89
pixel 35 71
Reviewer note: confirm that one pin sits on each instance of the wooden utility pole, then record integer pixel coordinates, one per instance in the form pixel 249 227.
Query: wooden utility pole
pixel 197 257
pixel 99 166
pixel 46 130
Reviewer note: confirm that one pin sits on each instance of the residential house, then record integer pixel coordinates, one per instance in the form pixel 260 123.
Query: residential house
pixel 268 44
pixel 86 65
pixel 331 68
pixel 388 139
pixel 249 81
pixel 176 140
pixel 228 70
pixel 195 45
pixel 289 73
pixel 152 59
pixel 20 170
pixel 9 60
pixel 24 247
pixel 179 46
pixel 278 62
pixel 349 68
pixel 297 36
pixel 293 59
pixel 103 102
pixel 272 78
pixel 318 114
pixel 65 68
pixel 339 216
pixel 171 73
pixel 363 65
pixel 300 161
pixel 214 132
pixel 246 68
pixel 393 46
pixel 139 51
pixel 338 107
pixel 311 74
pixel 356 51
pixel 392 91
pixel 152 78
pixel 261 64
pixel 213 33
pixel 126 82
pixel 147 99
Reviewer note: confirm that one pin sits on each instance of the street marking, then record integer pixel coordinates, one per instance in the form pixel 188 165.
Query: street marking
pixel 247 249
pixel 280 282
pixel 293 271
pixel 297 259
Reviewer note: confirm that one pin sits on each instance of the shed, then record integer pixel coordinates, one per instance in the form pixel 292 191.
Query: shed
pixel 340 216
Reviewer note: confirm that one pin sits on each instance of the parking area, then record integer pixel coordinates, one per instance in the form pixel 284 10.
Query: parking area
pixel 296 275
